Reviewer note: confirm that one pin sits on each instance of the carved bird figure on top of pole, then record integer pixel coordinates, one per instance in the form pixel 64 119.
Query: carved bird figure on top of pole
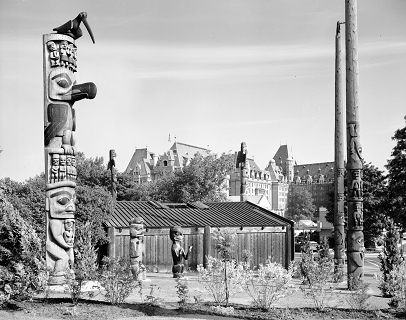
pixel 72 27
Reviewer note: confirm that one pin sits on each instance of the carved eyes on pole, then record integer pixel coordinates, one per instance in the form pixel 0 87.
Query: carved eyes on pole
pixel 64 201
pixel 64 83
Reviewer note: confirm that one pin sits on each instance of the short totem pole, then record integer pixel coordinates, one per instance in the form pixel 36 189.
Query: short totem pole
pixel 113 178
pixel 137 248
pixel 242 163
pixel 60 93
pixel 178 254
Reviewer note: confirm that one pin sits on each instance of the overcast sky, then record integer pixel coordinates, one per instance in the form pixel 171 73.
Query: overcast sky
pixel 210 73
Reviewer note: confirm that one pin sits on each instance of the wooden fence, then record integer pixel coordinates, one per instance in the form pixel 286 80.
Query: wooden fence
pixel 276 245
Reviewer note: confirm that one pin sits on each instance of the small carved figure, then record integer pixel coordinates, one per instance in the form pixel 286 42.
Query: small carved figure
pixel 64 48
pixel 321 177
pixel 53 53
pixel 68 234
pixel 55 168
pixel 74 170
pixel 356 184
pixel 137 248
pixel 68 167
pixel 358 214
pixel 178 253
pixel 62 167
pixel 74 59
pixel 355 148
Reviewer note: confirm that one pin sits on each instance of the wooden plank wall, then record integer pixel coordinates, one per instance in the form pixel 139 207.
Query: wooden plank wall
pixel 157 254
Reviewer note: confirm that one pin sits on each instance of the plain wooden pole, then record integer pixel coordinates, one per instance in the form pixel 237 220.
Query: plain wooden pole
pixel 355 235
pixel 339 233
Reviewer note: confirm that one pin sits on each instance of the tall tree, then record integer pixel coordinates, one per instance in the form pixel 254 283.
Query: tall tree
pixel 300 205
pixel 397 179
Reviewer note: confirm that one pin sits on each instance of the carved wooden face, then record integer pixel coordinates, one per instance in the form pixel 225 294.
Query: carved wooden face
pixel 62 160
pixel 61 81
pixel 51 46
pixel 62 203
pixel 176 234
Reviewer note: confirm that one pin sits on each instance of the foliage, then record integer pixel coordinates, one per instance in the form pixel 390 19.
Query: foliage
pixel 182 290
pixel 224 242
pixel 300 205
pixel 94 205
pixel 358 297
pixel 28 198
pixel 150 298
pixel 397 179
pixel 22 267
pixel 213 278
pixel 398 286
pixel 390 258
pixel 317 275
pixel 85 266
pixel 270 283
pixel 115 277
pixel 202 179
pixel 92 172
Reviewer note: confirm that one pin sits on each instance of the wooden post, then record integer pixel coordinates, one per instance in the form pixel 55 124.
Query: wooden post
pixel 206 245
pixel 111 249
pixel 113 179
pixel 242 163
pixel 339 233
pixel 355 235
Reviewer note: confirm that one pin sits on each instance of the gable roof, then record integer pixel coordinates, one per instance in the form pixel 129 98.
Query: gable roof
pixel 183 150
pixel 139 156
pixel 197 214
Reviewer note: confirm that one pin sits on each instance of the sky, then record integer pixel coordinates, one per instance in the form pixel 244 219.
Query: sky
pixel 210 73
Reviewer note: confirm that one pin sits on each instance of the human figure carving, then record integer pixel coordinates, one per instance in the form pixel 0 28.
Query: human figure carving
pixel 137 248
pixel 55 168
pixel 178 253
pixel 53 54
pixel 356 184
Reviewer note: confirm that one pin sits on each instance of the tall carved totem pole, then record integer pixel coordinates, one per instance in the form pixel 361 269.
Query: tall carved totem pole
pixel 61 91
pixel 339 233
pixel 355 235
pixel 242 163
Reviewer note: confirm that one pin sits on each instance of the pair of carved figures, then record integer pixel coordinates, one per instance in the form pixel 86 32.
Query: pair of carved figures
pixel 137 231
pixel 61 91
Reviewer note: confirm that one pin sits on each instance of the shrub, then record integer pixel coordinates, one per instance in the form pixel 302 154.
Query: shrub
pixel 85 265
pixel 182 290
pixel 213 278
pixel 269 284
pixel 358 297
pixel 22 268
pixel 390 258
pixel 115 277
pixel 317 276
pixel 395 285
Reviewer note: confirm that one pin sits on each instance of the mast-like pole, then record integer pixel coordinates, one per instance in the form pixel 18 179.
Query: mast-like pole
pixel 339 233
pixel 355 235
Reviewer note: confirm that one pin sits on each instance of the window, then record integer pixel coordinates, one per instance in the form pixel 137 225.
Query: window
pixel 165 163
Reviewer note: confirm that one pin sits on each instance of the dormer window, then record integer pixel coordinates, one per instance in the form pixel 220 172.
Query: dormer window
pixel 165 163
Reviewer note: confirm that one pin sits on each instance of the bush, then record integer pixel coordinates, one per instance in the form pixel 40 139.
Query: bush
pixel 390 258
pixel 22 268
pixel 213 278
pixel 358 296
pixel 269 284
pixel 395 285
pixel 317 276
pixel 116 278
pixel 182 290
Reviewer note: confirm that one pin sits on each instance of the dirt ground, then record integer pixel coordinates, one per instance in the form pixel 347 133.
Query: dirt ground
pixel 296 306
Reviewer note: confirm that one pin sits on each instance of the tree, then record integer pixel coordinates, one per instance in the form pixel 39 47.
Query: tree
pixel 397 179
pixel 203 179
pixel 300 205
pixel 92 172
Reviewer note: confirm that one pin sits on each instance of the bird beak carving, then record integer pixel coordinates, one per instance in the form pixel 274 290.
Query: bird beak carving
pixel 84 20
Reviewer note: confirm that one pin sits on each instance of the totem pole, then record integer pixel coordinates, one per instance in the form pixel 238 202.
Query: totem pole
pixel 137 248
pixel 355 235
pixel 178 254
pixel 60 93
pixel 242 162
pixel 113 178
pixel 339 233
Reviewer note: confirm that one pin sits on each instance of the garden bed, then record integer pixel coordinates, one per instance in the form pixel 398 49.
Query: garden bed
pixel 62 308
